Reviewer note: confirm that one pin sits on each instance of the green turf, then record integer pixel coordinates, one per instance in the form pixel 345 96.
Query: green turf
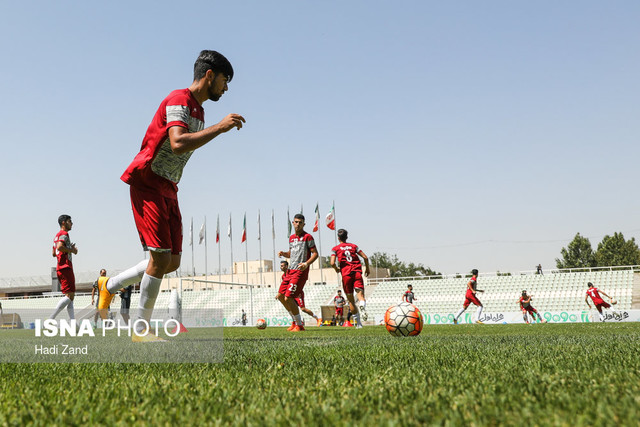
pixel 577 374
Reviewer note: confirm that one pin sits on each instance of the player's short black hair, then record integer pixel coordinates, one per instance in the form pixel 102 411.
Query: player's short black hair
pixel 410 286
pixel 339 291
pixel 63 218
pixel 343 234
pixel 524 291
pixel 214 61
pixel 298 216
pixel 284 262
pixel 589 284
pixel 474 271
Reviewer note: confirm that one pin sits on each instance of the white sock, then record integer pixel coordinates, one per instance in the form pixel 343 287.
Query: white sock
pixel 297 319
pixel 356 317
pixel 460 313
pixel 149 289
pixel 363 304
pixel 315 316
pixel 62 303
pixel 70 311
pixel 127 277
pixel 479 312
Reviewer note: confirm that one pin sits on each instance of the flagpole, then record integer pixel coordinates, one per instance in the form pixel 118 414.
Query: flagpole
pixel 193 265
pixel 319 241
pixel 206 261
pixel 260 246
pixel 219 251
pixel 246 250
pixel 273 239
pixel 230 234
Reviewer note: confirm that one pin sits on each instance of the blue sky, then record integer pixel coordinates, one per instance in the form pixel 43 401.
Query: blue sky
pixel 455 134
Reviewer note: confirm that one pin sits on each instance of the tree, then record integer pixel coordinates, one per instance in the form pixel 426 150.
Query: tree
pixel 614 250
pixel 398 268
pixel 577 254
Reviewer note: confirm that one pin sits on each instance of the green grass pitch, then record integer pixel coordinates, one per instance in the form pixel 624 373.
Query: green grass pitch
pixel 565 374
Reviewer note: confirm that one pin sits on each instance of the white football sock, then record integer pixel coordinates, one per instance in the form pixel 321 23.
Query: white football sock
pixel 315 316
pixel 70 310
pixel 357 319
pixel 298 319
pixel 62 303
pixel 460 313
pixel 479 313
pixel 127 277
pixel 149 289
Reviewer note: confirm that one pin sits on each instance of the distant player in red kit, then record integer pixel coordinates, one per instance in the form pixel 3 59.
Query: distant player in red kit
pixel 62 250
pixel 351 270
pixel 302 253
pixel 594 294
pixel 284 266
pixel 470 297
pixel 338 302
pixel 527 308
pixel 409 296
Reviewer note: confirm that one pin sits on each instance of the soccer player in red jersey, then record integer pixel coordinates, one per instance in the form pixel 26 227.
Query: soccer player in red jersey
pixel 527 308
pixel 284 266
pixel 409 296
pixel 351 271
pixel 62 251
pixel 302 253
pixel 594 293
pixel 338 303
pixel 176 131
pixel 470 297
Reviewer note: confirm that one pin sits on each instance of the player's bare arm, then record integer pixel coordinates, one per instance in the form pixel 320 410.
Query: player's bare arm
pixel 586 299
pixel 365 258
pixel 284 254
pixel 332 262
pixel 183 141
pixel 314 256
pixel 62 248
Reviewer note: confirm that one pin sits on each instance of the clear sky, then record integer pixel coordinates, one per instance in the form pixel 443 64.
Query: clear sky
pixel 458 135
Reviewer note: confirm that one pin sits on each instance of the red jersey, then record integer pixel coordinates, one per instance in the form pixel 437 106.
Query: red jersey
pixel 64 259
pixel 300 249
pixel 409 297
pixel 348 260
pixel 525 304
pixel 594 293
pixel 156 168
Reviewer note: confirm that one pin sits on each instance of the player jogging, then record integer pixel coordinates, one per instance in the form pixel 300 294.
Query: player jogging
pixel 471 297
pixel 409 296
pixel 302 253
pixel 594 293
pixel 62 251
pixel 527 308
pixel 176 131
pixel 350 269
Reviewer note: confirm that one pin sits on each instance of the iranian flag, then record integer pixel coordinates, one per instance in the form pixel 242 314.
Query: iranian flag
pixel 244 229
pixel 331 218
pixel 218 230
pixel 315 227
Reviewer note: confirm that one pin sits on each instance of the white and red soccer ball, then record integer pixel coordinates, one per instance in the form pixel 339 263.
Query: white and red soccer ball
pixel 403 320
pixel 261 324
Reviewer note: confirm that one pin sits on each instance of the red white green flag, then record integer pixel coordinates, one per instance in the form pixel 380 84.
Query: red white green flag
pixel 315 227
pixel 244 229
pixel 331 218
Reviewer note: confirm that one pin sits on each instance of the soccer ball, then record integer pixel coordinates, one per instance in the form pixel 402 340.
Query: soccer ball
pixel 261 324
pixel 403 320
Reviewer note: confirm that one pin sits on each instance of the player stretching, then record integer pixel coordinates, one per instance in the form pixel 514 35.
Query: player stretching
pixel 95 292
pixel 176 131
pixel 471 297
pixel 351 271
pixel 526 307
pixel 302 253
pixel 594 293
pixel 409 296
pixel 284 266
pixel 62 250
